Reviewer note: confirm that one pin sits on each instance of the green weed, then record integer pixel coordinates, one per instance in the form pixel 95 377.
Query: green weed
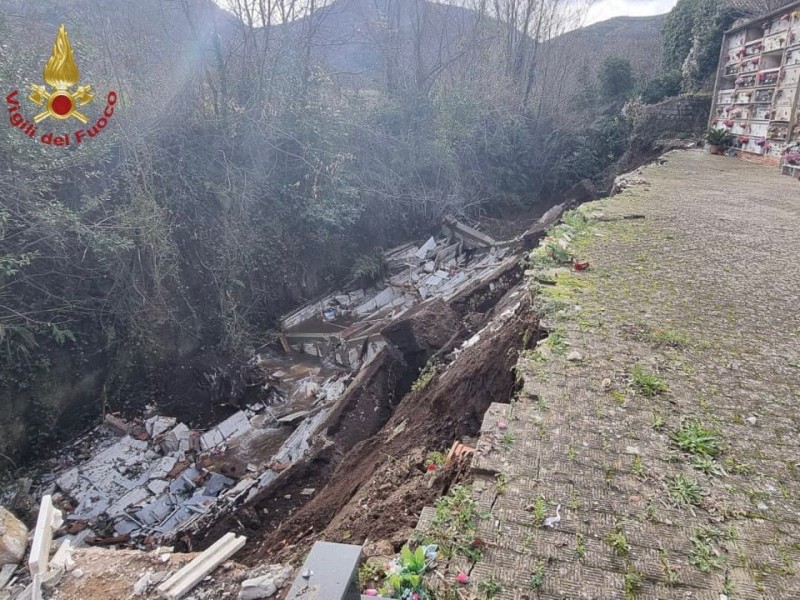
pixel 557 342
pixel 704 555
pixel 537 579
pixel 670 574
pixel 501 483
pixel 684 490
pixel 638 468
pixel 539 511
pixel 580 546
pixel 693 438
pixel 631 583
pixel 617 541
pixel 454 524
pixel 669 338
pixel 707 465
pixel 490 588
pixel 647 383
pixel 657 422
pixel 425 377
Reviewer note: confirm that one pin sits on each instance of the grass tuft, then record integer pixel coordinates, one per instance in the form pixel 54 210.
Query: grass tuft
pixel 684 490
pixel 646 382
pixel 617 541
pixel 693 438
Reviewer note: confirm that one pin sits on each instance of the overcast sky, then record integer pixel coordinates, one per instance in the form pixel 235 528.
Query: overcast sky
pixel 605 9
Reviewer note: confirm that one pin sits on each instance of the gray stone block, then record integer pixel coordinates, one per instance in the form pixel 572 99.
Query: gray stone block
pixel 329 573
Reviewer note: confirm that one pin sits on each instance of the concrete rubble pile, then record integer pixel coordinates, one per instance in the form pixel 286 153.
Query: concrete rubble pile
pixel 155 484
pixel 345 327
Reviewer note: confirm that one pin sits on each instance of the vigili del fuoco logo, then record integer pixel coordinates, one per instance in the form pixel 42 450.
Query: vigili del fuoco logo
pixel 57 100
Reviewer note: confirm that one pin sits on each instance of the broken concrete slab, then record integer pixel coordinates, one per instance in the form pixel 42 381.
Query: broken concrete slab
pixel 294 417
pixel 157 425
pixel 68 480
pixel 157 486
pixel 471 237
pixel 13 538
pixel 134 497
pixel 173 440
pixel 47 522
pixel 192 573
pixel 236 424
pixel 426 248
pixel 162 468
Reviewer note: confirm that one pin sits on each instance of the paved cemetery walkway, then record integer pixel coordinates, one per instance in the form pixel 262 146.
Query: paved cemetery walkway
pixel 663 412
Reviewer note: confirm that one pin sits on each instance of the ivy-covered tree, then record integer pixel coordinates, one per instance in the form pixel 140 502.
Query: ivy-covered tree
pixel 677 34
pixel 692 36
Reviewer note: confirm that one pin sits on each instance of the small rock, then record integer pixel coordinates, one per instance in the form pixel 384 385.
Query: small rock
pixel 77 573
pixel 307 573
pixel 606 384
pixel 574 356
pixel 13 538
pixel 751 420
pixel 762 506
pixel 308 492
pixel 288 496
pixel 267 585
pixel 378 548
pixel 632 450
pixel 140 587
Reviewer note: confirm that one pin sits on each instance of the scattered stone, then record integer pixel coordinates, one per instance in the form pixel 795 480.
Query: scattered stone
pixel 308 491
pixel 751 420
pixel 606 384
pixel 378 548
pixel 144 582
pixel 632 450
pixel 77 573
pixel 267 585
pixel 574 356
pixel 13 538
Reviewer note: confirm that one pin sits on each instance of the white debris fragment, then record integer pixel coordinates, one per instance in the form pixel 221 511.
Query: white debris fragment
pixel 265 586
pixel 162 468
pixel 141 585
pixel 574 356
pixel 194 571
pixel 426 248
pixel 158 425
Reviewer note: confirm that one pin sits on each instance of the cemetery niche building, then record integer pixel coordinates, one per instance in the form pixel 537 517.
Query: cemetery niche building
pixel 756 90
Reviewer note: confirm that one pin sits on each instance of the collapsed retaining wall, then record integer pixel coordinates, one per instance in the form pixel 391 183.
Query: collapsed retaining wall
pixel 661 127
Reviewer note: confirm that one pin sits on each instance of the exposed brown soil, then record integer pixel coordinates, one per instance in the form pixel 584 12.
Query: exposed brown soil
pixel 381 485
pixel 367 469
